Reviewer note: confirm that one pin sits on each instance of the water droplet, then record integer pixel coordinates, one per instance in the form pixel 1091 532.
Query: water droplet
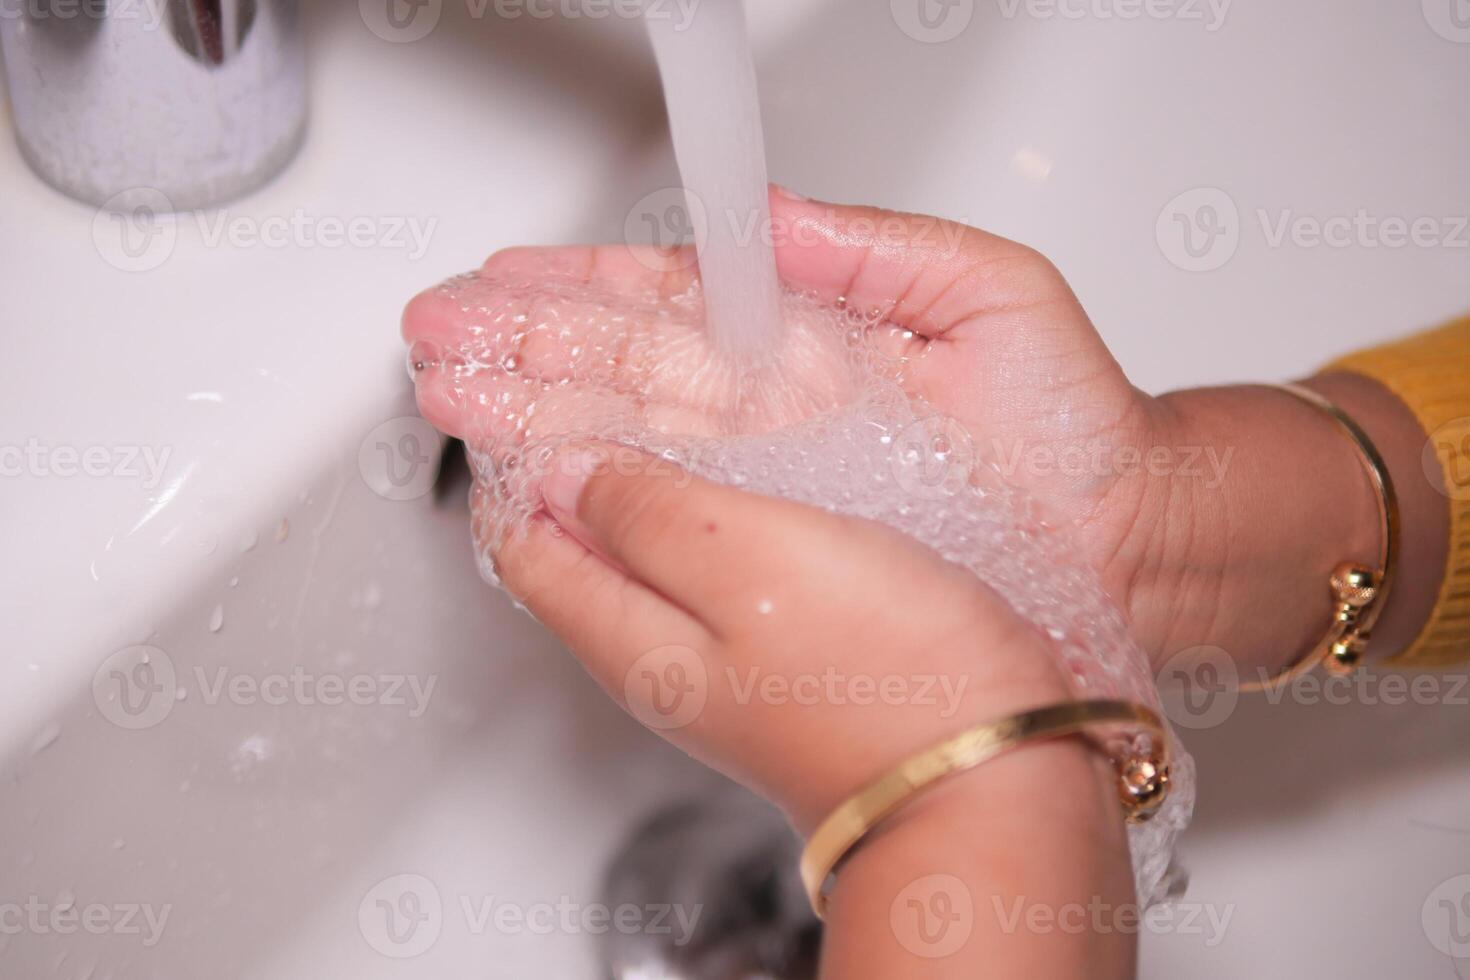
pixel 45 738
pixel 371 596
pixel 250 754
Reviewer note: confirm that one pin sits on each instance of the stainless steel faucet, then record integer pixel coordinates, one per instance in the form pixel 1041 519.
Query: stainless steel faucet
pixel 184 102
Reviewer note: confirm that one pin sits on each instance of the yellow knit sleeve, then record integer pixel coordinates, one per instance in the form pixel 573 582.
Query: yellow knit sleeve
pixel 1430 373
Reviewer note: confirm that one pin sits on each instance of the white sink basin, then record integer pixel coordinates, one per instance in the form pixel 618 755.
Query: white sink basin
pixel 262 830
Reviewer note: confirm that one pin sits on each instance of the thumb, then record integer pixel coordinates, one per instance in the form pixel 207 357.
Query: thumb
pixel 927 274
pixel 705 546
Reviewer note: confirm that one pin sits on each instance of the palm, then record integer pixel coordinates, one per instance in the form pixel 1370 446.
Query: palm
pixel 987 334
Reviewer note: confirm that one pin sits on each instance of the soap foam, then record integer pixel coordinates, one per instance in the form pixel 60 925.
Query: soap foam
pixel 824 420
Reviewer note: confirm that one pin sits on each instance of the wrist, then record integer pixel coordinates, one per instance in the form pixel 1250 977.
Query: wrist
pixel 1062 788
pixel 1038 827
pixel 1242 562
pixel 1243 565
pixel 860 744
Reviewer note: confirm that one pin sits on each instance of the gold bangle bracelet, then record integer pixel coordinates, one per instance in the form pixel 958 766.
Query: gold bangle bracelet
pixel 1358 592
pixel 1143 780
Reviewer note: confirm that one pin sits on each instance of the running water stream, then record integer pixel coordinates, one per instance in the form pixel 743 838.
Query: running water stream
pixel 715 121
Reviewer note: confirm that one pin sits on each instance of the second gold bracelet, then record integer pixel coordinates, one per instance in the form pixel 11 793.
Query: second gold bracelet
pixel 1358 592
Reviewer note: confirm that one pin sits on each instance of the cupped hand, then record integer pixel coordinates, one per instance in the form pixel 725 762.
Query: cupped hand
pixel 982 329
pixel 801 652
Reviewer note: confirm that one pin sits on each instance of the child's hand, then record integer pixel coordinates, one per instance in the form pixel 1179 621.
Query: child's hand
pixel 992 335
pixel 800 652
pixel 1196 542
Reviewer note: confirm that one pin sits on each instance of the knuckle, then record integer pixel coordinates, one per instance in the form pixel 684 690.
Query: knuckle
pixel 636 510
pixel 1018 276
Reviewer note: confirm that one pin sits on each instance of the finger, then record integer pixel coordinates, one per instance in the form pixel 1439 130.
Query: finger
pixel 527 328
pixel 606 618
pixel 475 407
pixel 632 270
pixel 715 551
pixel 446 315
pixel 928 274
pixel 992 322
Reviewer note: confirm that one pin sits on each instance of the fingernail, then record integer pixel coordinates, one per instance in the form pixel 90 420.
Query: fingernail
pixel 562 487
pixel 789 194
